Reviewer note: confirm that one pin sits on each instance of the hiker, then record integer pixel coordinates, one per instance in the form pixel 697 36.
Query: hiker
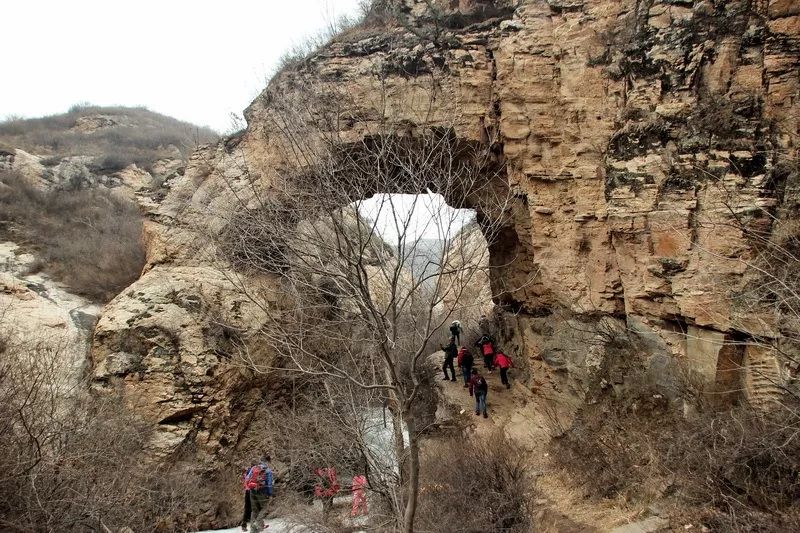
pixel 258 481
pixel 479 387
pixel 326 488
pixel 465 361
pixel 503 362
pixel 359 496
pixel 486 344
pixel 450 353
pixel 247 507
pixel 483 325
pixel 455 332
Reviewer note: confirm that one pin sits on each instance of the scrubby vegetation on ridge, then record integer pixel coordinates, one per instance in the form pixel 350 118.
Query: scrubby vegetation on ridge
pixel 89 239
pixel 375 17
pixel 115 136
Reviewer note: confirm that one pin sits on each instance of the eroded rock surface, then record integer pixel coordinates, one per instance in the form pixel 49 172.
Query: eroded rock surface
pixel 648 145
pixel 164 342
pixel 39 316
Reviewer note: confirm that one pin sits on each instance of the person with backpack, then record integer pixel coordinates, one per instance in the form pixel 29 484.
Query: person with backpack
pixel 450 353
pixel 503 362
pixel 486 345
pixel 359 495
pixel 465 362
pixel 455 332
pixel 326 488
pixel 259 482
pixel 247 507
pixel 480 389
pixel 483 325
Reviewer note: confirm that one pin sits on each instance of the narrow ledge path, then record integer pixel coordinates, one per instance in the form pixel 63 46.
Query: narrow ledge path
pixel 519 412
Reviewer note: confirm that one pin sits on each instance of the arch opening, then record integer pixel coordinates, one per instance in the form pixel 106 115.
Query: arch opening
pixel 431 238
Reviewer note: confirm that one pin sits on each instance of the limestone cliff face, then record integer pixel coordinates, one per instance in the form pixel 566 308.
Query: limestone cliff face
pixel 644 142
pixel 648 145
pixel 40 312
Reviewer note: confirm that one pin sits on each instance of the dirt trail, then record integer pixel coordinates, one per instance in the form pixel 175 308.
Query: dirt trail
pixel 520 413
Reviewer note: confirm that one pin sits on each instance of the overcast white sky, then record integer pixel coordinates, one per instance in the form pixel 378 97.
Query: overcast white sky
pixel 424 216
pixel 194 60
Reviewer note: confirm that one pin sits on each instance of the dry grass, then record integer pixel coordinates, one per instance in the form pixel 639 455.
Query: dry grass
pixel 732 470
pixel 88 239
pixel 75 463
pixel 472 485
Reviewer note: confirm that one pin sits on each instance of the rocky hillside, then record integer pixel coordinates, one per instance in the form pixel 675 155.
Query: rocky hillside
pixel 651 148
pixel 132 150
pixel 103 165
pixel 73 191
pixel 468 253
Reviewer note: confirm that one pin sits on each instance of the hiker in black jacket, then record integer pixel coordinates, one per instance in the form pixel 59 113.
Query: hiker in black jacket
pixel 465 362
pixel 450 353
pixel 455 332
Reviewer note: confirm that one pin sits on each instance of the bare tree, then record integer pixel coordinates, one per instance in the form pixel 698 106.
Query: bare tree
pixel 350 312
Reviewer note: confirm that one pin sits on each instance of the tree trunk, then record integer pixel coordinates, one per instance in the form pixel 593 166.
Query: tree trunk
pixel 399 452
pixel 397 423
pixel 413 474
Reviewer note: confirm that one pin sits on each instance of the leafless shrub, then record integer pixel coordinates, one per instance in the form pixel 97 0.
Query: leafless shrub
pixel 351 314
pixel 617 458
pixel 74 463
pixel 88 239
pixel 323 423
pixel 736 470
pixel 554 420
pixel 336 27
pixel 315 432
pixel 475 485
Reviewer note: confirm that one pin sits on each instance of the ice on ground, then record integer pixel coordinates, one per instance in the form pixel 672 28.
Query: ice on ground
pixel 377 429
pixel 275 525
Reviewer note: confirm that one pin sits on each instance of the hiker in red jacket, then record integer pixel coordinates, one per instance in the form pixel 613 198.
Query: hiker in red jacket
pixel 258 482
pixel 359 496
pixel 486 344
pixel 327 487
pixel 503 362
pixel 479 388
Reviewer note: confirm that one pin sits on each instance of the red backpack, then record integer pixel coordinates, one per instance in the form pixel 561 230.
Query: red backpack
pixel 256 479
